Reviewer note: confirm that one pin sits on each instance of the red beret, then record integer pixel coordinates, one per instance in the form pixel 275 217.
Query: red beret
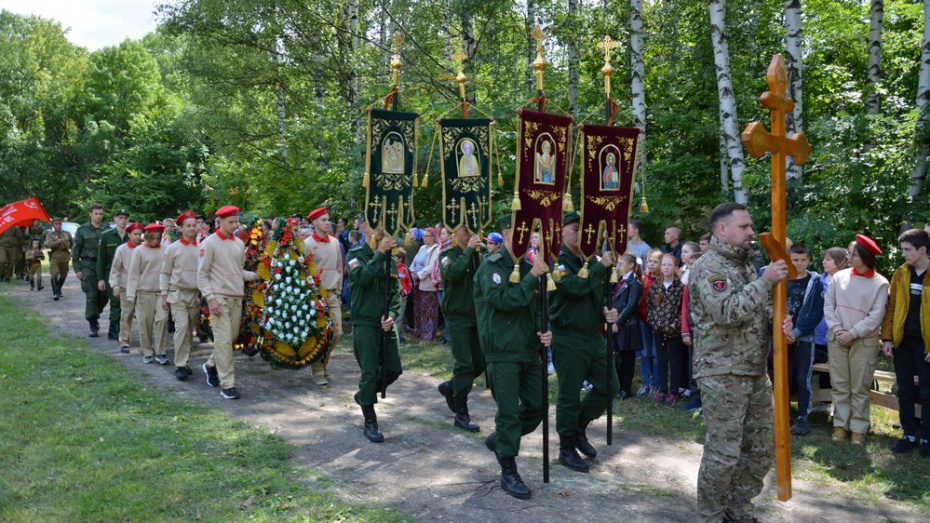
pixel 133 226
pixel 185 216
pixel 868 243
pixel 154 227
pixel 316 213
pixel 227 211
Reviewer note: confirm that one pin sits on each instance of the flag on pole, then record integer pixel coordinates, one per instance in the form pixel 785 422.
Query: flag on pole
pixel 22 214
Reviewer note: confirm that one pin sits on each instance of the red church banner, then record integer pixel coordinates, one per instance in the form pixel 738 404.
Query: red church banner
pixel 543 143
pixel 22 214
pixel 608 165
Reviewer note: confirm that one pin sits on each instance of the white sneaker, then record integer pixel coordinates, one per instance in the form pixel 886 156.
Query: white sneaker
pixel 551 368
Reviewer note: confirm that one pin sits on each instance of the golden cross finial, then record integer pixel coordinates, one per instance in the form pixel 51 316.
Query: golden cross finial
pixel 607 45
pixel 397 40
pixel 539 36
pixel 458 58
pixel 539 64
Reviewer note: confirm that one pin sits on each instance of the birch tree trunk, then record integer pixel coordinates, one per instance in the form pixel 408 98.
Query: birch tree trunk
pixel 793 56
pixel 637 87
pixel 469 46
pixel 923 103
pixel 571 48
pixel 730 132
pixel 873 101
pixel 530 78
pixel 724 164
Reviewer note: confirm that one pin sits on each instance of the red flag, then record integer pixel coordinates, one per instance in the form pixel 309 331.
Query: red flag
pixel 22 214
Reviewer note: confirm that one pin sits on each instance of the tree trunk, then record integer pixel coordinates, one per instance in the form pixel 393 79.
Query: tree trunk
pixel 638 89
pixel 572 52
pixel 730 132
pixel 923 103
pixel 469 46
pixel 530 78
pixel 793 56
pixel 724 164
pixel 873 102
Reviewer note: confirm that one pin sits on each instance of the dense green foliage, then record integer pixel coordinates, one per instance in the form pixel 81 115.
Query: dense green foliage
pixel 261 104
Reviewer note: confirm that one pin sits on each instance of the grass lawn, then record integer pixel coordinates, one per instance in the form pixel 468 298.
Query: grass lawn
pixel 84 440
pixel 867 473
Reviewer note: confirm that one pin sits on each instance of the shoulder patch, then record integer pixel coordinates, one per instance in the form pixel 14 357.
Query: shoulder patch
pixel 353 263
pixel 494 256
pixel 357 247
pixel 446 261
pixel 718 282
pixel 496 278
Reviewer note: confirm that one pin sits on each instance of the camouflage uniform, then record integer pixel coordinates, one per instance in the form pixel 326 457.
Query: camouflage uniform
pixel 732 311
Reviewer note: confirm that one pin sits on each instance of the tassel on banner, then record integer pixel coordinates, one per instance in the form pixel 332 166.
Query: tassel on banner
pixel 515 203
pixel 550 284
pixel 366 181
pixel 515 275
pixel 643 206
pixel 424 183
pixel 416 184
pixel 500 180
pixel 614 277
pixel 583 273
pixel 567 204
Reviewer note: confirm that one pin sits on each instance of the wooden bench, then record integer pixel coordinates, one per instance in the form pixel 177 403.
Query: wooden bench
pixel 883 399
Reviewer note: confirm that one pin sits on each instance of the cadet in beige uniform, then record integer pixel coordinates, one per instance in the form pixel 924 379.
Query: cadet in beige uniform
pixel 142 291
pixel 179 293
pixel 221 279
pixel 119 275
pixel 327 254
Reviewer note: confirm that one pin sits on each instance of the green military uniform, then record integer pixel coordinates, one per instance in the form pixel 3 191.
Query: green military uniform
pixel 59 246
pixel 11 242
pixel 367 270
pixel 84 260
pixel 458 268
pixel 108 244
pixel 579 352
pixel 731 309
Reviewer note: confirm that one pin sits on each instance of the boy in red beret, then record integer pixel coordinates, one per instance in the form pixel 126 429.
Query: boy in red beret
pixel 119 276
pixel 327 254
pixel 142 292
pixel 179 293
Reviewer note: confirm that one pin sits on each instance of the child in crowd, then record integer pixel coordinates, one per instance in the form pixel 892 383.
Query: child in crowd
pixel 805 307
pixel 34 264
pixel 649 363
pixel 627 334
pixel 406 287
pixel 690 252
pixel 663 311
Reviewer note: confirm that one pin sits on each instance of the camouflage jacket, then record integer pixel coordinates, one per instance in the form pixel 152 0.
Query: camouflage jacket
pixel 732 312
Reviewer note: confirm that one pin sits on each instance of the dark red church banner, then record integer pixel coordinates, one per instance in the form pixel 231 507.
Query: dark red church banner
pixel 608 165
pixel 543 143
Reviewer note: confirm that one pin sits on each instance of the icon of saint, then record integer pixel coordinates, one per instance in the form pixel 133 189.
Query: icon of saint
pixel 545 163
pixel 610 178
pixel 468 163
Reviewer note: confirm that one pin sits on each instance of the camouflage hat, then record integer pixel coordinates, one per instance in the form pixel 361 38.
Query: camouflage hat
pixel 57 220
pixel 124 212
pixel 506 221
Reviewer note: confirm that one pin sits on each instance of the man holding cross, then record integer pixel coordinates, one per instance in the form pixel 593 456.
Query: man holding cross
pixel 732 312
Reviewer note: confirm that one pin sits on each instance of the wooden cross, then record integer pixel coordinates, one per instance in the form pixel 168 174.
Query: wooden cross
pixel 397 41
pixel 758 142
pixel 523 230
pixel 539 64
pixel 607 45
pixel 590 230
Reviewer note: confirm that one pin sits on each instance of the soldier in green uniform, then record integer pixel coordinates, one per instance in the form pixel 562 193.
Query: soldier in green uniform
pixel 371 272
pixel 458 265
pixel 84 260
pixel 19 259
pixel 10 243
pixel 576 313
pixel 510 316
pixel 111 239
pixel 59 244
pixel 732 313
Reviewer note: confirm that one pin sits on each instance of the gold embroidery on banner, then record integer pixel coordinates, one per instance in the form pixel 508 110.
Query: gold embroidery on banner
pixel 543 197
pixel 607 202
pixel 392 182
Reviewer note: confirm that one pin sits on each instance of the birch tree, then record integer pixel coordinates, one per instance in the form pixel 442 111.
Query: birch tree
pixel 793 55
pixel 876 23
pixel 572 52
pixel 923 105
pixel 529 81
pixel 727 99
pixel 637 81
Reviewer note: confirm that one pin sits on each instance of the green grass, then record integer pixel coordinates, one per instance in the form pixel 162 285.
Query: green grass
pixel 85 440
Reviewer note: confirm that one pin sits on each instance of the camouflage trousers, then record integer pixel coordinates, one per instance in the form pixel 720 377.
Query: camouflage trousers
pixel 739 449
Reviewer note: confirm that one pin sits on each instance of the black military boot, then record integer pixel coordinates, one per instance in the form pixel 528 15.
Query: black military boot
pixel 39 286
pixel 462 419
pixel 113 332
pixel 61 282
pixel 371 423
pixel 94 329
pixel 568 456
pixel 511 482
pixel 581 438
pixel 445 388
pixel 55 289
pixel 32 285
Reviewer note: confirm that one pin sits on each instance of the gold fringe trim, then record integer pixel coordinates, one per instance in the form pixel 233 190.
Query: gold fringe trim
pixel 550 285
pixel 583 273
pixel 515 275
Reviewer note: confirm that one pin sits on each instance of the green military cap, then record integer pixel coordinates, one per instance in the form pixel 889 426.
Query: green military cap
pixel 124 212
pixel 506 221
pixel 56 220
pixel 570 217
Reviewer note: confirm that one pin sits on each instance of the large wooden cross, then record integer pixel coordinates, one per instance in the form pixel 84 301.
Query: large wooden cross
pixel 758 141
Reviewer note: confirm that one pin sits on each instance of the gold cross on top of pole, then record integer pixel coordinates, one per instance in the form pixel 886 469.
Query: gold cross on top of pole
pixel 607 45
pixel 397 41
pixel 459 58
pixel 539 64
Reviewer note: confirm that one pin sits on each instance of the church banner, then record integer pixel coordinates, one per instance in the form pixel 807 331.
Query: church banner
pixel 465 149
pixel 608 165
pixel 391 162
pixel 543 143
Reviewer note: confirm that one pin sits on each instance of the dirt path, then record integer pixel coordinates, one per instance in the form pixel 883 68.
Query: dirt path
pixel 434 472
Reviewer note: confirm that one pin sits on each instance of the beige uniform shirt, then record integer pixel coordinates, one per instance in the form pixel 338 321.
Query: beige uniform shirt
pixel 180 268
pixel 328 258
pixel 144 270
pixel 119 271
pixel 220 272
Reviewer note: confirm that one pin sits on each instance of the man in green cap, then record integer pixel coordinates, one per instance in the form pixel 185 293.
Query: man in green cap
pixel 87 241
pixel 110 240
pixel 509 320
pixel 577 312
pixel 458 265
pixel 371 272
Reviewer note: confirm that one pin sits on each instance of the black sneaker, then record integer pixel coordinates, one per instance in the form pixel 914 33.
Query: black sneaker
pixel 231 393
pixel 124 349
pixel 904 445
pixel 181 373
pixel 800 427
pixel 213 379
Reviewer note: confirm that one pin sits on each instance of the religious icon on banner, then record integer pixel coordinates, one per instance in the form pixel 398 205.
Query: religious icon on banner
pixel 391 161
pixel 469 165
pixel 465 147
pixel 545 159
pixel 610 181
